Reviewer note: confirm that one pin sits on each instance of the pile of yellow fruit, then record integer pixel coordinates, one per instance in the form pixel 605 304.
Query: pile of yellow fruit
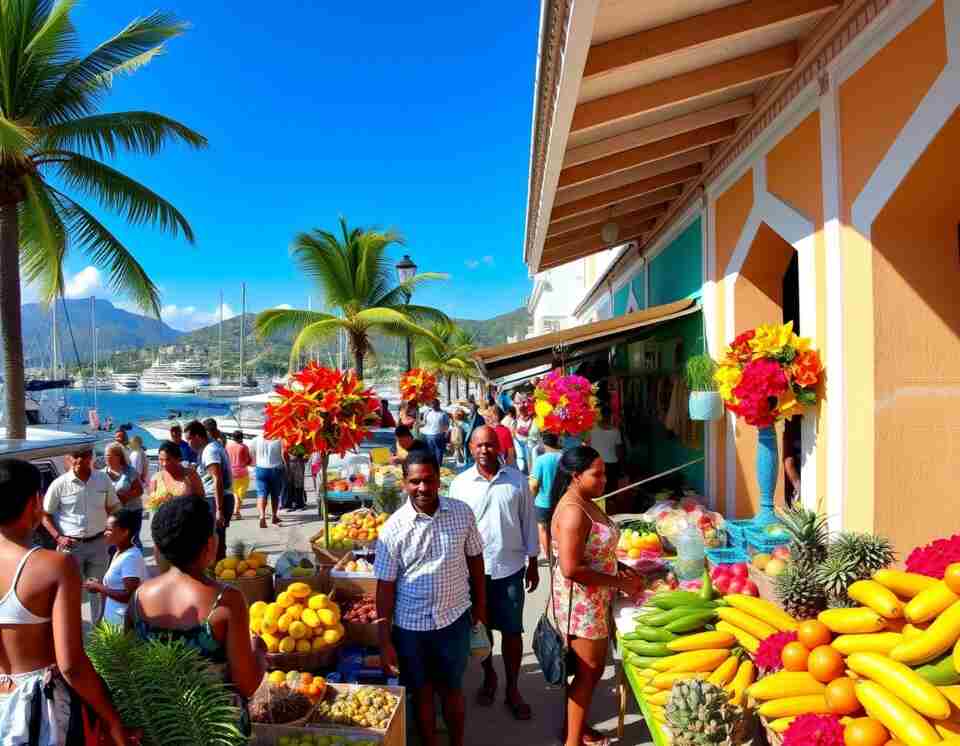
pixel 314 687
pixel 299 621
pixel 231 568
pixel 360 525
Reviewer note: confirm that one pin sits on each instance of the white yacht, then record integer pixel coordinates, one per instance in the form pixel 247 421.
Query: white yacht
pixel 193 369
pixel 164 378
pixel 126 382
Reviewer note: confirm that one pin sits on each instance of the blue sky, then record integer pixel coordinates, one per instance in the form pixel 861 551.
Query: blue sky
pixel 388 114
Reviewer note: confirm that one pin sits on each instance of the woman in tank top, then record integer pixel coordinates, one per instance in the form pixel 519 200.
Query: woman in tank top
pixel 44 671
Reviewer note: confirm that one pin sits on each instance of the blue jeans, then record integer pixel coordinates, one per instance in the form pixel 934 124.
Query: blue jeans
pixel 437 445
pixel 270 483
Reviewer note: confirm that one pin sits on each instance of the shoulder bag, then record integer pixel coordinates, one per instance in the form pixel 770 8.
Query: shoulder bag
pixel 549 643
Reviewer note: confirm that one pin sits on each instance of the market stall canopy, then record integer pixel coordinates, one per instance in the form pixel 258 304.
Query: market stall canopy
pixel 503 360
pixel 637 104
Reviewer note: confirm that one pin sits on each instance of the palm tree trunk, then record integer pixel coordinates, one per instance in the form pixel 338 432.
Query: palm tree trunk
pixel 11 330
pixel 449 382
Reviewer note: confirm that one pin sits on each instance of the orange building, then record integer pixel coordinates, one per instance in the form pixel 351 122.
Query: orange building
pixel 812 147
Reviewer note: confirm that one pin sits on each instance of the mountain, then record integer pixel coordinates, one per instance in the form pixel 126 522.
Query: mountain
pixel 117 330
pixel 495 331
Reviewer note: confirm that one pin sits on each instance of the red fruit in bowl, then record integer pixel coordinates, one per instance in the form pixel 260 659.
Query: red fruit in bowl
pixel 736 585
pixel 721 583
pixel 781 553
pixel 719 571
pixel 739 570
pixel 749 588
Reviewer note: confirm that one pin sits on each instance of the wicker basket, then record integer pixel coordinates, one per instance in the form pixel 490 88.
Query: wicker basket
pixel 311 662
pixel 773 738
pixel 319 583
pixel 255 589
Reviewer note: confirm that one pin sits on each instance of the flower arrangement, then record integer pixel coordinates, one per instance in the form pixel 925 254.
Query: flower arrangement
pixel 565 405
pixel 768 374
pixel 418 385
pixel 768 656
pixel 321 410
pixel 814 730
pixel 932 559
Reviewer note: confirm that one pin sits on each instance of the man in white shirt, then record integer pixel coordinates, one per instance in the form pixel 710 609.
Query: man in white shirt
pixel 434 430
pixel 75 508
pixel 500 499
pixel 270 476
pixel 607 441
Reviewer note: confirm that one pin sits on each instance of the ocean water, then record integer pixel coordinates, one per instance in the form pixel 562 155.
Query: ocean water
pixel 133 407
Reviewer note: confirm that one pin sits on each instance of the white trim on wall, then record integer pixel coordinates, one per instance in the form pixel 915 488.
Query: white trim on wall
pixel 694 211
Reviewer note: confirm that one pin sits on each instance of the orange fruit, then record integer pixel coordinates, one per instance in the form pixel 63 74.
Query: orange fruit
pixel 841 696
pixel 865 732
pixel 794 656
pixel 952 577
pixel 894 742
pixel 825 664
pixel 812 634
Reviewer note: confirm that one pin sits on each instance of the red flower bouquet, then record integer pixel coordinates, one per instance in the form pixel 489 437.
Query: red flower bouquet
pixel 418 385
pixel 565 405
pixel 321 410
pixel 769 374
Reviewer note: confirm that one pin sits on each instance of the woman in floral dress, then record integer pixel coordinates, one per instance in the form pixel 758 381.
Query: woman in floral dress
pixel 584 550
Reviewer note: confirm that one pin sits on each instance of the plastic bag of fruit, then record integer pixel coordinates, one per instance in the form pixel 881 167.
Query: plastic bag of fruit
pixel 297 559
pixel 672 517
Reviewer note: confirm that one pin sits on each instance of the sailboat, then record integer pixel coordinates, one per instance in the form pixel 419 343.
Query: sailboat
pixel 228 389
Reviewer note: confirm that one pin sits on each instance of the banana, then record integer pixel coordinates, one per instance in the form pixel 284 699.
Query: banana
pixel 693 660
pixel 668 679
pixel 702 640
pixel 899 718
pixel 937 639
pixel 763 610
pixel 786 684
pixel 859 620
pixel 747 641
pixel 929 603
pixel 812 704
pixel 904 584
pixel 747 622
pixel 877 597
pixel 725 672
pixel 744 678
pixel 878 642
pixel 910 686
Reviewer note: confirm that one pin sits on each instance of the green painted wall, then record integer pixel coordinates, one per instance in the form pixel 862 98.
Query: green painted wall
pixel 677 271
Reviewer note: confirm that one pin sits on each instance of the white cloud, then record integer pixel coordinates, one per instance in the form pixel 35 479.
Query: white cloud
pixel 88 281
pixel 284 307
pixel 188 318
pixel 472 263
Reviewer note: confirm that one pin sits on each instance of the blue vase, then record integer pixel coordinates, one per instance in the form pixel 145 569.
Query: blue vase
pixel 768 468
pixel 705 406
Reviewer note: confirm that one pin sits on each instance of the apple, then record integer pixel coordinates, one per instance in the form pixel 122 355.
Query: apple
pixel 749 588
pixel 739 570
pixel 720 571
pixel 775 567
pixel 760 560
pixel 721 583
pixel 781 553
pixel 736 585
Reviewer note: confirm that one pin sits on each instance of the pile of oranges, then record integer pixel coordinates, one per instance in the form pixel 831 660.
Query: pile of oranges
pixel 314 687
pixel 360 525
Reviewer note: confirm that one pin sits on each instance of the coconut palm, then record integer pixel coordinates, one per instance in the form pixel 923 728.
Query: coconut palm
pixel 355 275
pixel 53 144
pixel 447 352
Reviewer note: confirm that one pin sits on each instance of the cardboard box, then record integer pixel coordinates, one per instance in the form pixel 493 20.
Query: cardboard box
pixel 361 634
pixel 352 583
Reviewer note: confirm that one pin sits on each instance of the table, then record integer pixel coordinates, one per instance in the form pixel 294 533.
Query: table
pixel 627 676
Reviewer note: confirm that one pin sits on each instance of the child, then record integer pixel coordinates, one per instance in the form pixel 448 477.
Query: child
pixel 456 437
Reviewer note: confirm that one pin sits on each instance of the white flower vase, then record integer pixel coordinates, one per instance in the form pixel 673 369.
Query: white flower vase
pixel 705 406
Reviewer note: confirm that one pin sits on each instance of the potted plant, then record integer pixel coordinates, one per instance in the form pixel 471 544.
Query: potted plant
pixel 705 402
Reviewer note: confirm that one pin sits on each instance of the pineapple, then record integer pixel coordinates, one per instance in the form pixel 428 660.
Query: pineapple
pixel 799 591
pixel 700 714
pixel 808 535
pixel 835 574
pixel 866 552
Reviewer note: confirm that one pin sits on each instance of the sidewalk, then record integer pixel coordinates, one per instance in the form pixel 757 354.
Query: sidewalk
pixel 485 725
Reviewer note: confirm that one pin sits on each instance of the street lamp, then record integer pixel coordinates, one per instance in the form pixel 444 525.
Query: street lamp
pixel 406 271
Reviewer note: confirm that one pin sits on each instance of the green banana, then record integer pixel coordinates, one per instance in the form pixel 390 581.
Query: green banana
pixel 649 649
pixel 639 661
pixel 706 587
pixel 692 621
pixel 650 634
pixel 662 618
pixel 940 672
pixel 678 599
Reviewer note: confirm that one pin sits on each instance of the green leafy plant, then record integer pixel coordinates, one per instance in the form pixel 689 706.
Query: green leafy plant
pixel 387 497
pixel 700 370
pixel 166 688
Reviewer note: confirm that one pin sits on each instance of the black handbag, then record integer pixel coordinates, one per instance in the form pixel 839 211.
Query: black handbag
pixel 549 643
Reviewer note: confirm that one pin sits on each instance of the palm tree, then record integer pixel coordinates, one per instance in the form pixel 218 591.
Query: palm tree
pixel 355 276
pixel 467 345
pixel 447 352
pixel 54 141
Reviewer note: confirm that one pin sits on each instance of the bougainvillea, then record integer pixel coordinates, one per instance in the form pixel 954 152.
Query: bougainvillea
pixel 814 730
pixel 768 374
pixel 565 405
pixel 419 386
pixel 768 655
pixel 933 558
pixel 321 410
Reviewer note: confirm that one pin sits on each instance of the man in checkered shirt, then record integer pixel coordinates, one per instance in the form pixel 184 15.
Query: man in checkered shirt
pixel 430 592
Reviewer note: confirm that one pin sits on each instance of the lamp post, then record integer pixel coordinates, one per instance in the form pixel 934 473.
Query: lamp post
pixel 407 270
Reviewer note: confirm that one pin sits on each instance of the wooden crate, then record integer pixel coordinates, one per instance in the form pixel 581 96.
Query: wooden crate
pixel 764 584
pixel 351 583
pixel 270 735
pixel 396 731
pixel 367 635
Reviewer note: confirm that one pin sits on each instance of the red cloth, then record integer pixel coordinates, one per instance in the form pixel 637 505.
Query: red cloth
pixel 386 420
pixel 506 439
pixel 240 458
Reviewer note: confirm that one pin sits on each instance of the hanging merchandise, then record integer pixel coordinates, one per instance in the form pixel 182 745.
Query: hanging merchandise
pixel 565 405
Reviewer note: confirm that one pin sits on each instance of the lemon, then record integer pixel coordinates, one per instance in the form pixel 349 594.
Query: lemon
pixel 332 636
pixel 310 618
pixel 303 646
pixel 257 609
pixel 268 625
pixel 319 601
pixel 284 599
pixel 292 677
pixel 255 625
pixel 299 590
pixel 276 678
pixel 228 574
pixel 295 611
pixel 318 644
pixel 242 567
pixel 328 617
pixel 272 643
pixel 230 563
pixel 298 630
pixel 288 645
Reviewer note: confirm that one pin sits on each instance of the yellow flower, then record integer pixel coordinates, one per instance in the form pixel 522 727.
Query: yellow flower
pixel 788 406
pixel 542 408
pixel 770 339
pixel 800 344
pixel 727 378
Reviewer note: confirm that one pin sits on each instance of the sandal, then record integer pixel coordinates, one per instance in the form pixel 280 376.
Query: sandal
pixel 486 695
pixel 263 523
pixel 520 710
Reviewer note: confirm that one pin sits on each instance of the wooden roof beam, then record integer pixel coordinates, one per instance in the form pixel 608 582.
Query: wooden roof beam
pixel 615 196
pixel 661 94
pixel 586 247
pixel 625 223
pixel 720 25
pixel 740 107
pixel 657 199
pixel 655 151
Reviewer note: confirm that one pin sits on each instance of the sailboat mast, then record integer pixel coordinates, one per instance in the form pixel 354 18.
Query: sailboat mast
pixel 93 336
pixel 220 336
pixel 243 319
pixel 53 340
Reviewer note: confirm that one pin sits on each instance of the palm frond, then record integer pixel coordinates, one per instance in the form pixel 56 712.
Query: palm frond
pixel 391 322
pixel 106 251
pixel 15 141
pixel 42 239
pixel 319 256
pixel 278 320
pixel 55 39
pixel 118 192
pixel 137 131
pixel 315 334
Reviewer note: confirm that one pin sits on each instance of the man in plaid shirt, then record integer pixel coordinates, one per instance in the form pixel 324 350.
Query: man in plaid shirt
pixel 430 591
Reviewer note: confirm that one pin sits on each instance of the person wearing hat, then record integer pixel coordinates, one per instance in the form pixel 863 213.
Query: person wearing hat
pixel 240 461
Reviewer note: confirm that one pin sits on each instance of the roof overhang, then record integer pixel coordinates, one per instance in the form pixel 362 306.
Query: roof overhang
pixel 504 360
pixel 636 102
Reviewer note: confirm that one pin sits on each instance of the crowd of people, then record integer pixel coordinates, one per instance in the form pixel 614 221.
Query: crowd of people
pixel 443 564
